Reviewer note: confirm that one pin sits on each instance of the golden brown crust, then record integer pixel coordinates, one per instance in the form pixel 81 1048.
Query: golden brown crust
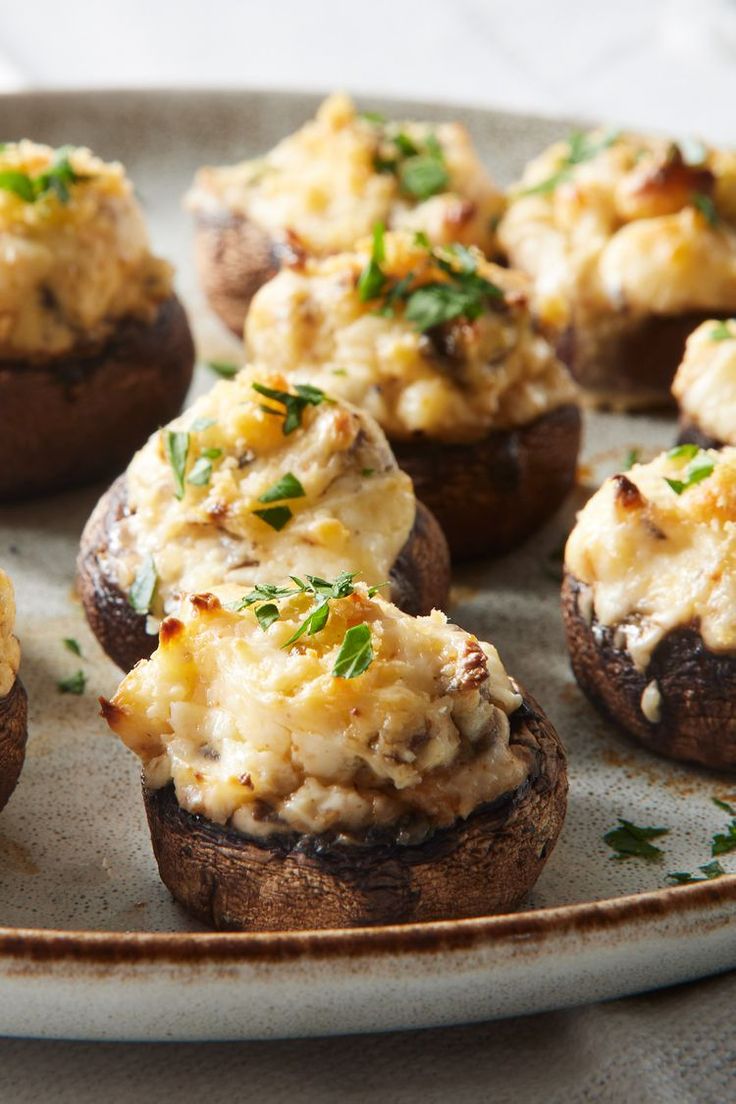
pixel 630 364
pixel 697 687
pixel 234 257
pixel 481 865
pixel 13 735
pixel 490 495
pixel 76 418
pixel 420 579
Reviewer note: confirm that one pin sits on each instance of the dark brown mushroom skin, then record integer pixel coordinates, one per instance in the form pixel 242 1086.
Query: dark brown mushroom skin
pixel 690 433
pixel 13 735
pixel 235 257
pixel 697 687
pixel 630 364
pixel 420 579
pixel 73 419
pixel 479 866
pixel 490 495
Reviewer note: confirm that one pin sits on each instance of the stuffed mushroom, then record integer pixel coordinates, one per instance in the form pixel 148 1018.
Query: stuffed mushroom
pixel 631 242
pixel 705 386
pixel 13 702
pixel 313 758
pixel 439 346
pixel 95 348
pixel 255 477
pixel 325 186
pixel 649 603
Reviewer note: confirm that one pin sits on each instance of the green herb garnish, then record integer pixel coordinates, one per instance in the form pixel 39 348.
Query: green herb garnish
pixel 704 203
pixel 720 332
pixel 275 516
pixel 294 404
pixel 223 368
pixel 288 486
pixel 372 278
pixel 177 450
pixel 710 871
pixel 372 117
pixel 201 472
pixel 54 181
pixel 356 653
pixel 417 164
pixel 423 176
pixel 700 466
pixel 266 615
pixel 632 457
pixel 72 645
pixel 141 593
pixel 75 684
pixel 629 841
pixel 724 842
pixel 580 147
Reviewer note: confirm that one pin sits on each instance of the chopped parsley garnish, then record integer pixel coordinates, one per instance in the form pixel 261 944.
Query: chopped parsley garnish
pixel 223 368
pixel 372 117
pixel 141 593
pixel 464 294
pixel 356 653
pixel 423 176
pixel 201 472
pixel 724 842
pixel 700 466
pixel 418 164
pixel 580 147
pixel 632 457
pixel 288 486
pixel 72 645
pixel 629 841
pixel 294 404
pixel 366 472
pixel 75 684
pixel 710 871
pixel 720 332
pixel 704 203
pixel 54 181
pixel 177 451
pixel 275 516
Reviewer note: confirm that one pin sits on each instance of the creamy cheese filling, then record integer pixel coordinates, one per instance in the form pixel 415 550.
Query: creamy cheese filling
pixel 321 185
pixel 261 734
pixel 9 646
pixel 75 260
pixel 624 224
pixel 705 383
pixel 323 498
pixel 655 559
pixel 453 383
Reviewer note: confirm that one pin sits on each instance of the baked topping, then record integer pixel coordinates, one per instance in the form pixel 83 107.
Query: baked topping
pixel 624 223
pixel 705 384
pixel 257 475
pixel 9 647
pixel 374 719
pixel 665 559
pixel 74 252
pixel 327 185
pixel 430 340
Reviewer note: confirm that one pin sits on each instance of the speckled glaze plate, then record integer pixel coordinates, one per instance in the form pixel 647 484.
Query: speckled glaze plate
pixel 93 947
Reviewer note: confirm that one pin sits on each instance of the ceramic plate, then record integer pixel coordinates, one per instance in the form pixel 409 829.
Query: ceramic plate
pixel 92 945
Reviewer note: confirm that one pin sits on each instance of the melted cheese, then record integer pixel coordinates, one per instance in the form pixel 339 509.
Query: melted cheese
pixel 9 647
pixel 619 232
pixel 657 560
pixel 705 383
pixel 356 512
pixel 320 186
pixel 266 738
pixel 70 271
pixel 495 372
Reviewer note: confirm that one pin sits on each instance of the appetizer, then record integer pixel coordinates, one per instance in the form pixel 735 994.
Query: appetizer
pixel 438 345
pixel 95 348
pixel 324 187
pixel 649 601
pixel 255 476
pixel 631 242
pixel 313 758
pixel 705 386
pixel 13 701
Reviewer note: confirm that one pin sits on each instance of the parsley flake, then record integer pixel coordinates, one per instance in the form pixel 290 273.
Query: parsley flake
pixel 423 176
pixel 294 404
pixel 288 486
pixel 710 871
pixel 700 466
pixel 275 516
pixel 54 181
pixel 372 279
pixel 629 841
pixel 141 593
pixel 356 653
pixel 704 203
pixel 266 615
pixel 72 645
pixel 223 368
pixel 580 147
pixel 177 451
pixel 720 332
pixel 75 684
pixel 632 457
pixel 724 842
